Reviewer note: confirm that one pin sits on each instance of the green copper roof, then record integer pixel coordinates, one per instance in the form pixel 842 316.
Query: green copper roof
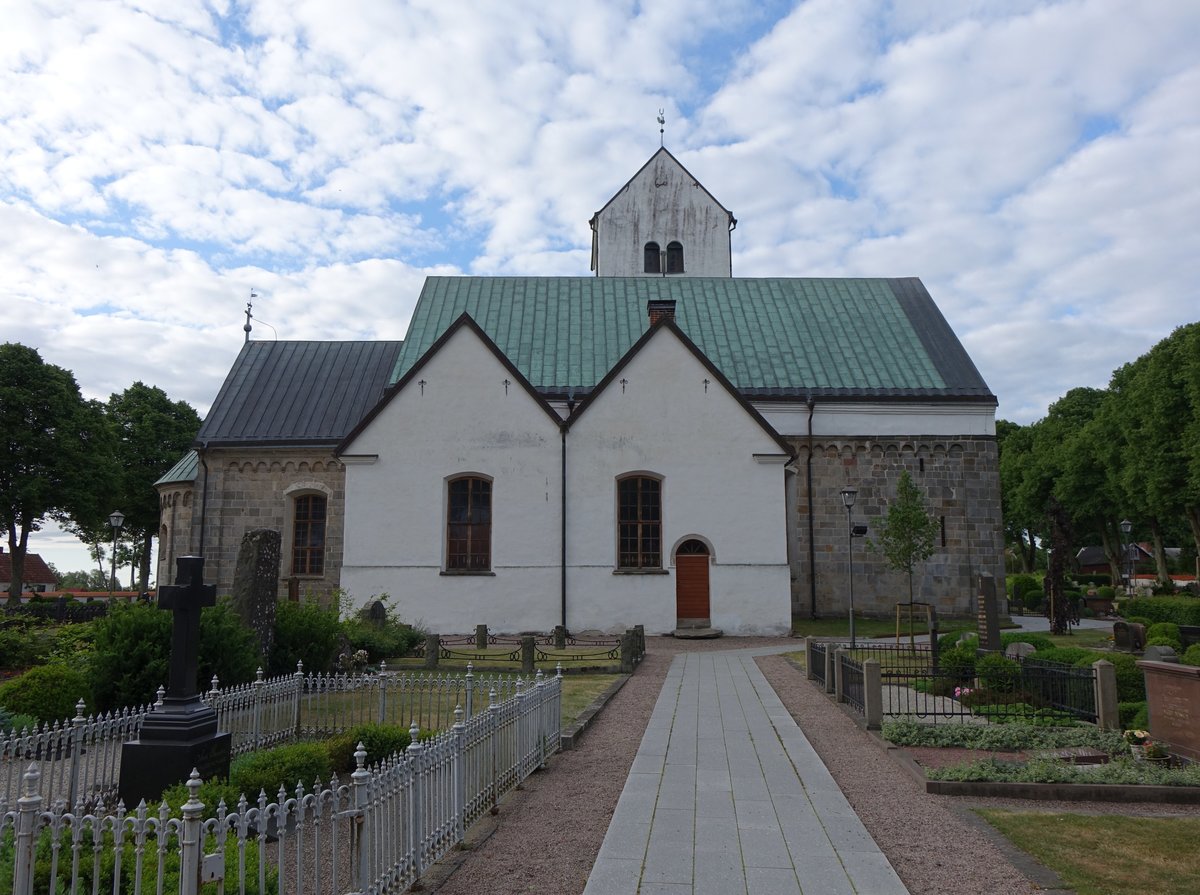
pixel 183 471
pixel 770 337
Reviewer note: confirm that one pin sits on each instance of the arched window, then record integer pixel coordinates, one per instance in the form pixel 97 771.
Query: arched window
pixel 639 523
pixel 469 525
pixel 652 260
pixel 674 257
pixel 308 534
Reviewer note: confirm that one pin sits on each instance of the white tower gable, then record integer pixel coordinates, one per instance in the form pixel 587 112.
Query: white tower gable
pixel 663 210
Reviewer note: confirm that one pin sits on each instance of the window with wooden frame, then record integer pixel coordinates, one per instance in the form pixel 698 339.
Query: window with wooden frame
pixel 308 534
pixel 651 260
pixel 639 523
pixel 469 525
pixel 674 257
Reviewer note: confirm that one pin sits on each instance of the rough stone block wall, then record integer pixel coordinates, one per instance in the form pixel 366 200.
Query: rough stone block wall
pixel 248 489
pixel 960 480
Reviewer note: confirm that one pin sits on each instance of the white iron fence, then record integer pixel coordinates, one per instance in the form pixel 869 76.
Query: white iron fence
pixel 79 761
pixel 376 834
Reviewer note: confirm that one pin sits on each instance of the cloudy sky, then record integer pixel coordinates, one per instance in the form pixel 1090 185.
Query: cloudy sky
pixel 1037 164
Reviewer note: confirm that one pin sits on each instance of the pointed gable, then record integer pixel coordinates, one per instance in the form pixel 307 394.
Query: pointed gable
pixel 662 210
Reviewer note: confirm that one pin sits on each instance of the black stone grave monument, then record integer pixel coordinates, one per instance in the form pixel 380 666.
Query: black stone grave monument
pixel 182 733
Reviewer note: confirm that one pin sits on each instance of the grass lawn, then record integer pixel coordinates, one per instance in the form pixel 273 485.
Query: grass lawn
pixel 1108 854
pixel 872 627
pixel 1088 638
pixel 579 690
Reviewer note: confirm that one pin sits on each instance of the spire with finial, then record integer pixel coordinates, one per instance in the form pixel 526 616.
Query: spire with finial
pixel 662 123
pixel 249 314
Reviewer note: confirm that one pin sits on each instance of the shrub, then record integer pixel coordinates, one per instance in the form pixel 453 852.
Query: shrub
pixel 47 692
pixel 1141 718
pixel 1164 641
pixel 212 793
pixel 1191 655
pixel 1106 592
pixel 133 646
pixel 380 741
pixel 284 766
pixel 10 722
pixel 1032 599
pixel 1165 634
pixel 1131 683
pixel 387 641
pixel 997 673
pixel 1037 641
pixel 1180 610
pixel 958 663
pixel 306 632
pixel 1139 620
pixel 1018 585
pixel 1128 713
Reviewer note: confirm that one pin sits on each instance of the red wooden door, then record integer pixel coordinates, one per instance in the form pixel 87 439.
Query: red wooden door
pixel 691 580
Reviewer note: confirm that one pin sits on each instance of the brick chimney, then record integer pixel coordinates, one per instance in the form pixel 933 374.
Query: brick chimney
pixel 660 309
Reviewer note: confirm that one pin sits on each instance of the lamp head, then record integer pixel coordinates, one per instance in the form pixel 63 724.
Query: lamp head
pixel 1126 527
pixel 116 519
pixel 849 495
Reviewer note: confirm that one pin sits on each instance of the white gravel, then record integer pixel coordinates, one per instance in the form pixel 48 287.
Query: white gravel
pixel 548 833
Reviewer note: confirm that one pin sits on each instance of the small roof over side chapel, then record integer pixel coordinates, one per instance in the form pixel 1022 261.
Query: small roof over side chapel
pixel 663 222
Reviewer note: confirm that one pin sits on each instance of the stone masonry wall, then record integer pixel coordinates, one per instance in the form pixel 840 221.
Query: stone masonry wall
pixel 960 481
pixel 254 488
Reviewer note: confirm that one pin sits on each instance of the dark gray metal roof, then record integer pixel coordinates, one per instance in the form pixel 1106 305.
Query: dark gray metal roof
pixel 298 393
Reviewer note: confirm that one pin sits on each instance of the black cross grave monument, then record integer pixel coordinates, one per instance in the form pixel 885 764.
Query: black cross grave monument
pixel 182 733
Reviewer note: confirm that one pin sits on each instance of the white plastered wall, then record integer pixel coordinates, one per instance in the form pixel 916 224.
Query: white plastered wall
pixel 722 481
pixel 456 416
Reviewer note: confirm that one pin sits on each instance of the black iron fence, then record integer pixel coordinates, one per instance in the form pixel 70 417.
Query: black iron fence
pixel 851 683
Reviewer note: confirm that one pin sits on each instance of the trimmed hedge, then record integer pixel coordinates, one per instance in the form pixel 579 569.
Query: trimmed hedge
pixel 1191 656
pixel 47 692
pixel 1180 610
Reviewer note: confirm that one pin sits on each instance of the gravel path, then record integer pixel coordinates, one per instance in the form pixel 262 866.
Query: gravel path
pixel 548 833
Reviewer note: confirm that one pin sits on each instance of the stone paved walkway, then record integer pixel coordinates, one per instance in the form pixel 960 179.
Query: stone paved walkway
pixel 727 796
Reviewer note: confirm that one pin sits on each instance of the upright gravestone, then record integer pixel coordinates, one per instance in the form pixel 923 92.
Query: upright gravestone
pixel 182 733
pixel 256 584
pixel 989 614
pixel 1122 637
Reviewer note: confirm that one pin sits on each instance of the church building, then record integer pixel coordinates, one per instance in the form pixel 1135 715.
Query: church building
pixel 660 444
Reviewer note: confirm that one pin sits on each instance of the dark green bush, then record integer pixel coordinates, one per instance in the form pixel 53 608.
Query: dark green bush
pixel 211 793
pixel 133 645
pixel 1032 600
pixel 1140 719
pixel 1131 683
pixel 285 766
pixel 306 632
pixel 1106 592
pixel 1180 610
pixel 1018 585
pixel 11 722
pixel 380 741
pixel 1037 641
pixel 47 692
pixel 1164 634
pixel 1127 712
pixel 958 663
pixel 1191 655
pixel 387 641
pixel 997 673
pixel 1139 620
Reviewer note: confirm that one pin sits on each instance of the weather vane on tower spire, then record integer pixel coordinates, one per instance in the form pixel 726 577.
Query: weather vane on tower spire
pixel 662 121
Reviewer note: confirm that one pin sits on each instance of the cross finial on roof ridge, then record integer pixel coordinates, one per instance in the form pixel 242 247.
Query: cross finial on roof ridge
pixel 662 123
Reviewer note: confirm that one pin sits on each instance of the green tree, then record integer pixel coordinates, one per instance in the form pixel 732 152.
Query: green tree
pixel 55 452
pixel 907 535
pixel 152 431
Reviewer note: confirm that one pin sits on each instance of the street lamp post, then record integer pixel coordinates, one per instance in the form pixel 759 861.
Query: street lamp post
pixel 116 519
pixel 849 495
pixel 1126 530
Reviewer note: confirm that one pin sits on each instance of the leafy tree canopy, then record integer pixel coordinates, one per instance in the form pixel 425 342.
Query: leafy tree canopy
pixel 907 535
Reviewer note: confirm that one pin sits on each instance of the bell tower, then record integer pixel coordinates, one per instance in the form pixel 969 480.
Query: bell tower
pixel 662 223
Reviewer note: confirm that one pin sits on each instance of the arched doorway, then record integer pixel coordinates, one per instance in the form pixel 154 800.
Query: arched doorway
pixel 691 582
